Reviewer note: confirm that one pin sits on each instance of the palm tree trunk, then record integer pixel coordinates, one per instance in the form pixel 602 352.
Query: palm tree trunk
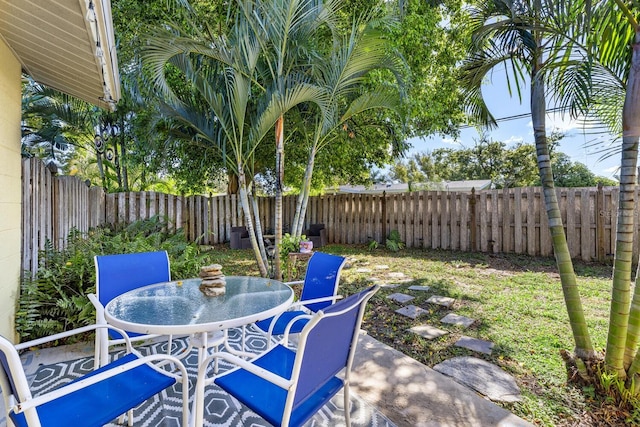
pixel 278 201
pixel 256 215
pixel 303 197
pixel 232 185
pixel 621 333
pixel 244 200
pixel 584 348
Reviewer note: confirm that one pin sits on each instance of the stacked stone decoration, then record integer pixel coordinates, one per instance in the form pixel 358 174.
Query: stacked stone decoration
pixel 213 282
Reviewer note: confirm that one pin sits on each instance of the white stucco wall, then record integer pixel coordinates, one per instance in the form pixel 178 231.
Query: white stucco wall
pixel 10 188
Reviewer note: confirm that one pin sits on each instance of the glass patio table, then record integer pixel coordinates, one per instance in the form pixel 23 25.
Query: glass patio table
pixel 179 308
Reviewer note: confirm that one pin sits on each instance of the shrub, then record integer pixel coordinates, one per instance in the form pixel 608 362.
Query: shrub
pixel 55 300
pixel 394 243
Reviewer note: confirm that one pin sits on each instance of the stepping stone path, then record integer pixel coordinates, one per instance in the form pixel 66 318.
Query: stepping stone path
pixel 474 344
pixel 427 331
pixel 443 301
pixel 389 285
pixel 401 298
pixel 363 270
pixel 412 311
pixel 482 376
pixel 456 319
pixel 382 267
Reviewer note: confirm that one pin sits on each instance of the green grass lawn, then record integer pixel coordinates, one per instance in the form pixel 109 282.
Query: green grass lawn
pixel 517 303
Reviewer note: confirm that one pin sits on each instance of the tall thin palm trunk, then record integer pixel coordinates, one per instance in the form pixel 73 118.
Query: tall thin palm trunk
pixel 278 201
pixel 584 347
pixel 620 331
pixel 246 208
pixel 303 197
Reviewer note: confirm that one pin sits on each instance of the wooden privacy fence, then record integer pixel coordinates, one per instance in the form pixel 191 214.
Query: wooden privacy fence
pixel 507 221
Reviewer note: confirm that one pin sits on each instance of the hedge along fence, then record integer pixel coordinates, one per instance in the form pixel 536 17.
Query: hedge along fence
pixel 507 221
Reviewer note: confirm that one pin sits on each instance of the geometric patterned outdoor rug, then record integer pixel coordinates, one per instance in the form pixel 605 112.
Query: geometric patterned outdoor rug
pixel 164 409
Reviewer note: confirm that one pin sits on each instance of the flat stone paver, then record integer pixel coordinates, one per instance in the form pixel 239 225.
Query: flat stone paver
pixel 382 267
pixel 440 300
pixel 401 298
pixel 475 344
pixel 396 275
pixel 363 270
pixel 427 331
pixel 482 376
pixel 389 285
pixel 412 311
pixel 419 288
pixel 456 319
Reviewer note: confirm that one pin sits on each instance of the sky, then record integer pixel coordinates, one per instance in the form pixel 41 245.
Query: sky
pixel 578 144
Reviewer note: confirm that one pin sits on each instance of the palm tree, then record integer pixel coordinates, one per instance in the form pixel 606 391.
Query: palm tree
pixel 236 98
pixel 509 33
pixel 599 79
pixel 278 55
pixel 289 33
pixel 342 73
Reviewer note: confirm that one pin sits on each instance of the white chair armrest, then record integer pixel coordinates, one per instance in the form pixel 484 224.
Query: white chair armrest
pixel 285 337
pixel 65 334
pixel 315 300
pixel 99 308
pixel 240 363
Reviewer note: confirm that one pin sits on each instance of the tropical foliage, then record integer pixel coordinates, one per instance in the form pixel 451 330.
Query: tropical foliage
pixel 276 58
pixel 506 167
pixel 55 299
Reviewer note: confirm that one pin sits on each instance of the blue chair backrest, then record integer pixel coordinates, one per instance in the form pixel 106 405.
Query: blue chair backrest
pixel 321 279
pixel 329 343
pixel 117 274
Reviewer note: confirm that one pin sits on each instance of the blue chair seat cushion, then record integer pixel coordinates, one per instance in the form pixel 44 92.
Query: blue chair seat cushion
pixel 282 322
pixel 118 393
pixel 267 399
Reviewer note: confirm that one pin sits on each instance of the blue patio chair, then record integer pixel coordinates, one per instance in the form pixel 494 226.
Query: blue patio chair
pixel 319 289
pixel 92 400
pixel 120 273
pixel 117 274
pixel 288 387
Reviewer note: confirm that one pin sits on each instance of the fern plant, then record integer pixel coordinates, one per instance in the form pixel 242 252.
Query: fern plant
pixel 54 300
pixel 394 243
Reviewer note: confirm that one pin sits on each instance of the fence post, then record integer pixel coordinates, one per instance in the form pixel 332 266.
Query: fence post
pixel 472 220
pixel 384 216
pixel 600 215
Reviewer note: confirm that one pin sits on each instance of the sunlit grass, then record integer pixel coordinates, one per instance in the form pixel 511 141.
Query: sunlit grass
pixel 517 302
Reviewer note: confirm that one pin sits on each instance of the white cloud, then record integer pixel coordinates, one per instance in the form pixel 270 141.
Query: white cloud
pixel 564 123
pixel 514 139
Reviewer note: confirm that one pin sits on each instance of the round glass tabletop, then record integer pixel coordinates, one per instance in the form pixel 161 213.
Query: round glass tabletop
pixel 180 307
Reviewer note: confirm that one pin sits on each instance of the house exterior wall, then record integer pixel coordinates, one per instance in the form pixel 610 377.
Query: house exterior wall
pixel 10 188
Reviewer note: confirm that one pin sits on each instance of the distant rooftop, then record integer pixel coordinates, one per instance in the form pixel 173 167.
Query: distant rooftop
pixel 462 186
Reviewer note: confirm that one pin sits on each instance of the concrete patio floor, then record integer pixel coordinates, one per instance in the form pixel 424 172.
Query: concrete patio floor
pixel 407 392
pixel 413 395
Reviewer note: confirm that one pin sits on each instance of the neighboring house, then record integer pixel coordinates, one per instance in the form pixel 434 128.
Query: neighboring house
pixel 67 45
pixel 478 184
